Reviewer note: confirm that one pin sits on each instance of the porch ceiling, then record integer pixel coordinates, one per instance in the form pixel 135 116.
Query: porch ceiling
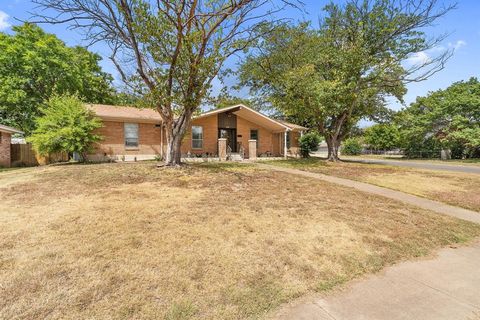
pixel 261 120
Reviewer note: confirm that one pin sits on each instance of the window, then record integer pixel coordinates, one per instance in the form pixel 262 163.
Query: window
pixel 254 135
pixel 131 135
pixel 288 140
pixel 197 137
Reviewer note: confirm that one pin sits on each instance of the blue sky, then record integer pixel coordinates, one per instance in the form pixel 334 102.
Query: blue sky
pixel 462 25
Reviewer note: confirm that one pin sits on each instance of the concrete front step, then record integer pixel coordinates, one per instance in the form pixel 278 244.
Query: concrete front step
pixel 235 157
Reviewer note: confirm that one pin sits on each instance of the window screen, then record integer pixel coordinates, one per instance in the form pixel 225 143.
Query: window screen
pixel 131 135
pixel 197 137
pixel 254 135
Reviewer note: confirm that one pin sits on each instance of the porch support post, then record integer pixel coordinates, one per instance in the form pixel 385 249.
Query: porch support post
pixel 252 149
pixel 285 144
pixel 222 149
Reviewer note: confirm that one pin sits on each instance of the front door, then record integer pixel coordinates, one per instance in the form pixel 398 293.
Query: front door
pixel 231 136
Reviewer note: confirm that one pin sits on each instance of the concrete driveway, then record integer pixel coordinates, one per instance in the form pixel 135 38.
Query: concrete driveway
pixel 419 165
pixel 446 287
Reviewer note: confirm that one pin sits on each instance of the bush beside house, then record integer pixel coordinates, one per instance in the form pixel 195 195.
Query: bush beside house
pixel 308 143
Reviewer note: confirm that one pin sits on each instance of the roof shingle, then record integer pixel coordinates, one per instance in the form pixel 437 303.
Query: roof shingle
pixel 125 113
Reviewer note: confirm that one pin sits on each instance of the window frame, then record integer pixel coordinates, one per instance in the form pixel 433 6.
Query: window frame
pixel 258 135
pixel 196 140
pixel 131 147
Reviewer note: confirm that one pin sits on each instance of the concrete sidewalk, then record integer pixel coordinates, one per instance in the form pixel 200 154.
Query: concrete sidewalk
pixel 435 206
pixel 418 164
pixel 446 287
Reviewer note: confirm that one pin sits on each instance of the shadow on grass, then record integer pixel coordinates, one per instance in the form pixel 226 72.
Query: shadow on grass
pixel 223 166
pixel 300 163
pixel 2 169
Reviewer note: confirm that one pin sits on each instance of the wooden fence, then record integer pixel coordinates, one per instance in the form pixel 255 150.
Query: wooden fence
pixel 24 155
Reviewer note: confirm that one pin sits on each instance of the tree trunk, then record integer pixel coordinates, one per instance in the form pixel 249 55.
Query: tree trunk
pixel 333 144
pixel 173 154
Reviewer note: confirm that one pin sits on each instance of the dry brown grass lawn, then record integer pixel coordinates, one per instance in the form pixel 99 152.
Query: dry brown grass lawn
pixel 458 189
pixel 129 241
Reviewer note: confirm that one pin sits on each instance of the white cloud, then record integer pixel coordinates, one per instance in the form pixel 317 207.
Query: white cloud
pixel 438 49
pixel 419 58
pixel 4 21
pixel 457 45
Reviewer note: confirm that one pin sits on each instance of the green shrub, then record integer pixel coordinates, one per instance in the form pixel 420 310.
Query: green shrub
pixel 352 147
pixel 382 136
pixel 308 143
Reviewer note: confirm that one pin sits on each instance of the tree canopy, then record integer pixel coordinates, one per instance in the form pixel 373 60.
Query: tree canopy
pixel 35 65
pixel 344 71
pixel 448 119
pixel 225 99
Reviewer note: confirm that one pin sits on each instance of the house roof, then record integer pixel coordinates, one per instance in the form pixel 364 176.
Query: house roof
pixel 293 125
pixel 120 113
pixel 113 113
pixel 256 117
pixel 9 129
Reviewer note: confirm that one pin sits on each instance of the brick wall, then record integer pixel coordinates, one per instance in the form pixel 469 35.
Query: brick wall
pixel 294 144
pixel 113 140
pixel 5 140
pixel 210 136
pixel 278 143
pixel 113 143
pixel 294 137
pixel 265 137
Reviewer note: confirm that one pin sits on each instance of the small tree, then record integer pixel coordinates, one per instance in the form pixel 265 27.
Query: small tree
pixel 66 126
pixel 308 143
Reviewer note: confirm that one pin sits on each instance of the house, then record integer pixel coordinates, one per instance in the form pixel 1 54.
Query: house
pixel 5 145
pixel 137 134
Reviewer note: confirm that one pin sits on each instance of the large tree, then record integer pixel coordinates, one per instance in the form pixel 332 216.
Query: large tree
pixel 362 53
pixel 448 118
pixel 174 49
pixel 35 65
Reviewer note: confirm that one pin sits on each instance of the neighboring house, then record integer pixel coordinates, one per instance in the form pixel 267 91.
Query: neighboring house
pixel 132 133
pixel 5 142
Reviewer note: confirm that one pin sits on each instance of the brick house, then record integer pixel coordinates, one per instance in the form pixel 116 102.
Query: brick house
pixel 5 145
pixel 130 133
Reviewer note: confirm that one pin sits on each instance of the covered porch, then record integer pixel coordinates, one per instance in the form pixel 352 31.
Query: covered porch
pixel 239 132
